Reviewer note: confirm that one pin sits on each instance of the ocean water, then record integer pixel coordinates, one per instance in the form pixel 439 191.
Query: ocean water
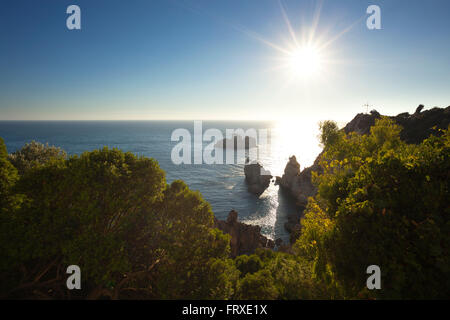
pixel 222 185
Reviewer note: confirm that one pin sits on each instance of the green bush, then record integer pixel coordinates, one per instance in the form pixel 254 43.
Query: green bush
pixel 276 275
pixel 381 201
pixel 34 154
pixel 112 214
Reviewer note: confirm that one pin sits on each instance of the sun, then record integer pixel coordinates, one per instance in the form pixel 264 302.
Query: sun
pixel 307 55
pixel 304 61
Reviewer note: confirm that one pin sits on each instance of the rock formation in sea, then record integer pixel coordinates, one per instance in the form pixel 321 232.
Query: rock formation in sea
pixel 299 185
pixel 245 239
pixel 296 183
pixel 416 127
pixel 257 178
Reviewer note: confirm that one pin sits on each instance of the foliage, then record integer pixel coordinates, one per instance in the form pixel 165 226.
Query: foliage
pixel 112 214
pixel 196 253
pixel 259 286
pixel 9 203
pixel 248 264
pixel 276 275
pixel 381 201
pixel 329 132
pixel 8 177
pixel 34 154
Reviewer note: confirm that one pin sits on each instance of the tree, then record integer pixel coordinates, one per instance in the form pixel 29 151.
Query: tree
pixel 9 203
pixel 8 178
pixel 259 286
pixel 248 264
pixel 329 132
pixel 34 154
pixel 78 211
pixel 381 201
pixel 112 214
pixel 195 251
pixel 276 275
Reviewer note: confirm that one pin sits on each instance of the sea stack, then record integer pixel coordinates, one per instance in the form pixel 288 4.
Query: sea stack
pixel 257 178
pixel 296 182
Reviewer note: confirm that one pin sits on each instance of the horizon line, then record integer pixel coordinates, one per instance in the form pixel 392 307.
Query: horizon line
pixel 237 120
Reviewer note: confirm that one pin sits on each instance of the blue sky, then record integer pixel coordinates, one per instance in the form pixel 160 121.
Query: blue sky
pixel 210 59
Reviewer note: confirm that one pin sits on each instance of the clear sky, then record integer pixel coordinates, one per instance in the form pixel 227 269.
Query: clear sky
pixel 220 59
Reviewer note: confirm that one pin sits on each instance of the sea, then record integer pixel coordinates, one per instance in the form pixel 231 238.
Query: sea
pixel 222 185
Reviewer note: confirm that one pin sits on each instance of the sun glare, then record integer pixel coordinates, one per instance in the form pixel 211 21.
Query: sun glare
pixel 306 56
pixel 305 62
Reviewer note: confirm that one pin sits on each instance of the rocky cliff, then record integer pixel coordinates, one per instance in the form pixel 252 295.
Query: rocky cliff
pixel 416 127
pixel 245 239
pixel 296 182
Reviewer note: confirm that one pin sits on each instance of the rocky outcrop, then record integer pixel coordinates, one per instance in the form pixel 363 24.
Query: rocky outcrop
pixel 419 109
pixel 422 124
pixel 298 183
pixel 416 128
pixel 361 123
pixel 291 172
pixel 245 239
pixel 257 178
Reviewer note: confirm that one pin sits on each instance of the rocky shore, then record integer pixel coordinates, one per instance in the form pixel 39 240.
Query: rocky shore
pixel 245 239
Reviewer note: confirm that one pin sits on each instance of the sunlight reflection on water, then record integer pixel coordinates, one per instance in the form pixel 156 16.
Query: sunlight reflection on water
pixel 287 138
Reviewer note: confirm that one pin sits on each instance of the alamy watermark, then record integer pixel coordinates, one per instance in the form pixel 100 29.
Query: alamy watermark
pixel 74 280
pixel 73 22
pixel 239 146
pixel 374 281
pixel 374 20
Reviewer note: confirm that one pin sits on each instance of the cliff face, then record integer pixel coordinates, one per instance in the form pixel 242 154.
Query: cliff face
pixel 416 127
pixel 297 182
pixel 245 239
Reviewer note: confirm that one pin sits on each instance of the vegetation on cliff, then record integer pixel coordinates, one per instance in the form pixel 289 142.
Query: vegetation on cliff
pixel 382 202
